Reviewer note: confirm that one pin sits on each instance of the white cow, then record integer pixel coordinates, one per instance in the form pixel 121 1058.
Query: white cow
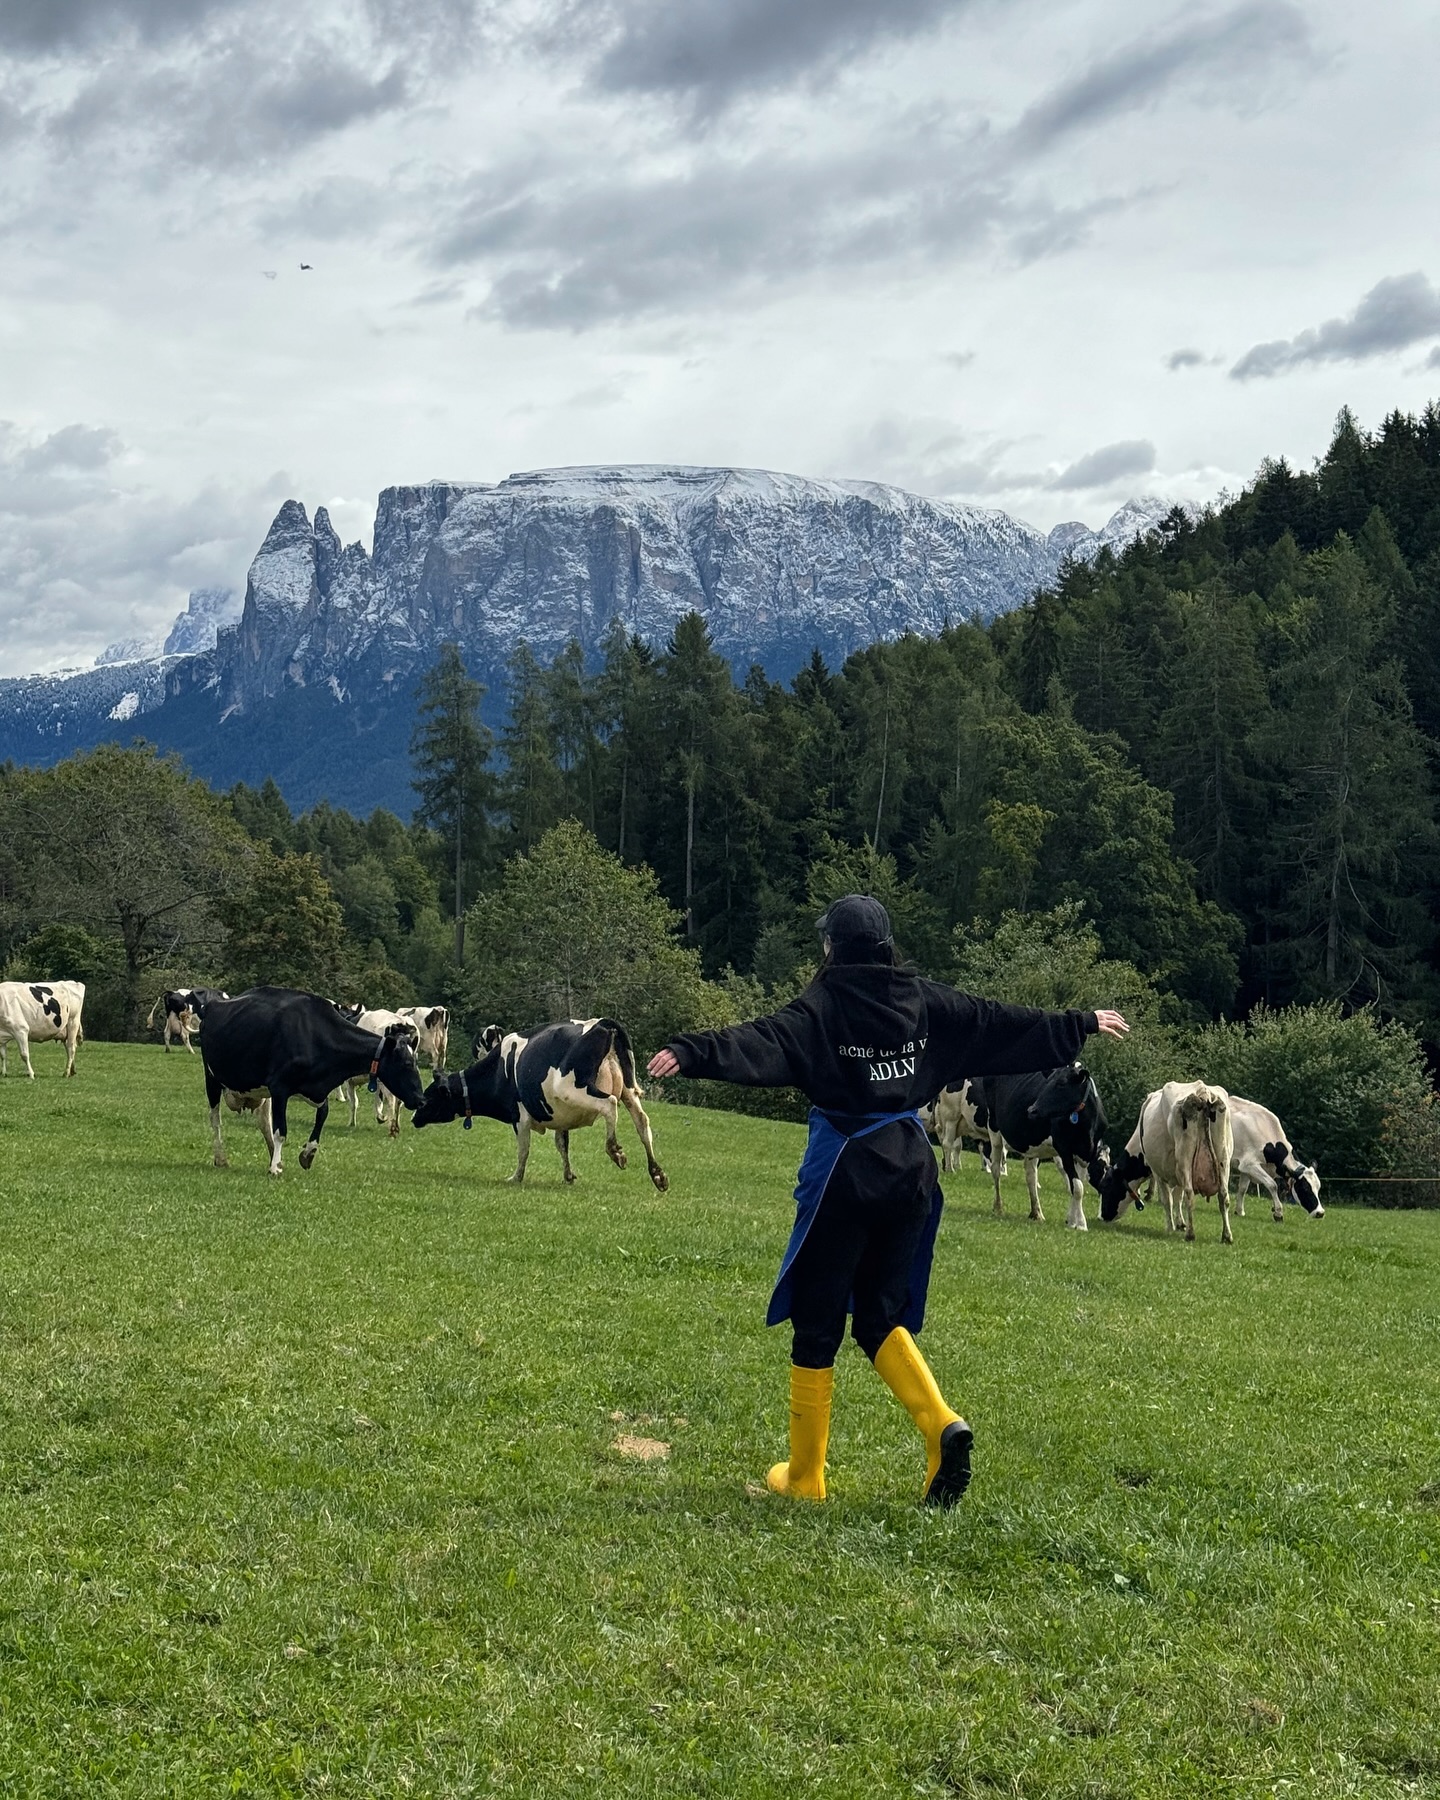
pixel 387 1107
pixel 41 1012
pixel 432 1027
pixel 1184 1141
pixel 1264 1158
pixel 954 1114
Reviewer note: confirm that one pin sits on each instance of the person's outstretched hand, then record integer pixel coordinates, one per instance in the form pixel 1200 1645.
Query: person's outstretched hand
pixel 1111 1023
pixel 663 1063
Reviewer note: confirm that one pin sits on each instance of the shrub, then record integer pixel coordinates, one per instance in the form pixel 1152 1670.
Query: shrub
pixel 1055 960
pixel 1351 1089
pixel 571 933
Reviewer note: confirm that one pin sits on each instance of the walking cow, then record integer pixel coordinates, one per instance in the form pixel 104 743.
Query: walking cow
pixel 566 1077
pixel 288 1045
pixel 40 1012
pixel 1184 1139
pixel 957 1112
pixel 1056 1115
pixel 184 1009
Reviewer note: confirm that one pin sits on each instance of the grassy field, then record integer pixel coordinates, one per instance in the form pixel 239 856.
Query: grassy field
pixel 309 1486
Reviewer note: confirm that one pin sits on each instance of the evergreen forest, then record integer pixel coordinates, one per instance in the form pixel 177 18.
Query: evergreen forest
pixel 1216 750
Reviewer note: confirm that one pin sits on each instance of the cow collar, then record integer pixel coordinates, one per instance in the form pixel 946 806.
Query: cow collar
pixel 374 1080
pixel 465 1096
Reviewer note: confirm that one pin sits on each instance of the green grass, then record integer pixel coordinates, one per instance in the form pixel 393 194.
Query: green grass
pixel 307 1487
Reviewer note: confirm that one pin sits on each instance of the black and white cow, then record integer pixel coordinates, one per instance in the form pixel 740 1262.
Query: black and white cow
pixel 432 1028
pixel 959 1112
pixel 285 1045
pixel 565 1077
pixel 184 1008
pixel 41 1012
pixel 1056 1115
pixel 1183 1141
pixel 1263 1159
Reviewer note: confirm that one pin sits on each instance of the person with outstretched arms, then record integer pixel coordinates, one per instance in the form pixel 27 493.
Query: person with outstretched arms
pixel 869 1043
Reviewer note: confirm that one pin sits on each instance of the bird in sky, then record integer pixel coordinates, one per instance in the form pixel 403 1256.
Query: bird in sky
pixel 270 274
pixel 307 265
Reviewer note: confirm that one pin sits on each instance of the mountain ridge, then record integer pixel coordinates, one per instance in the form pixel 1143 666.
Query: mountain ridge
pixel 310 678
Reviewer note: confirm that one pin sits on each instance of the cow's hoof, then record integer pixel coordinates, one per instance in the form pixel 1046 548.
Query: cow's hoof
pixel 307 1155
pixel 661 1180
pixel 569 1178
pixel 514 1181
pixel 222 1162
pixel 277 1172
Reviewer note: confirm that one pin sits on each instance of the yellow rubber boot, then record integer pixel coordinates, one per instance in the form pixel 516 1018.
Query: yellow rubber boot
pixel 948 1438
pixel 803 1477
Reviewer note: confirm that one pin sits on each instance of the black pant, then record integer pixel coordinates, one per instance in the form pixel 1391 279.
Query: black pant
pixel 862 1243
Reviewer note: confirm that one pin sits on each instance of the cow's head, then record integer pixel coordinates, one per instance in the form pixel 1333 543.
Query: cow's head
pixel 1119 1187
pixel 485 1090
pixel 1305 1187
pixel 396 1066
pixel 1071 1098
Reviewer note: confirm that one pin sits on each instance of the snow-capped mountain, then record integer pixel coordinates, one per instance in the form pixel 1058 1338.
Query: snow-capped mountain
pixel 311 678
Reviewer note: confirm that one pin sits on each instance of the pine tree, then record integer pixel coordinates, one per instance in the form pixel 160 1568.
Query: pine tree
pixel 529 790
pixel 450 749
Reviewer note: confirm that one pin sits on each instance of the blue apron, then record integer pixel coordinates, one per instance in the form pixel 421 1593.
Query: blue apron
pixel 822 1153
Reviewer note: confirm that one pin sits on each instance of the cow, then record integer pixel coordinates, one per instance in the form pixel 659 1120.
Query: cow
pixel 1264 1160
pixel 565 1077
pixel 1056 1114
pixel 387 1109
pixel 1184 1140
pixel 41 1012
pixel 432 1027
pixel 292 1045
pixel 957 1112
pixel 184 1008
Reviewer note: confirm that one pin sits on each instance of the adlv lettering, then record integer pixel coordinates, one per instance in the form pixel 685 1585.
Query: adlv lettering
pixel 896 1065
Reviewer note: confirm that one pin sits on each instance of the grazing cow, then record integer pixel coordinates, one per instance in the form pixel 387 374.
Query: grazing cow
pixel 41 1012
pixel 184 1008
pixel 957 1112
pixel 1057 1115
pixel 1184 1140
pixel 1263 1159
pixel 564 1078
pixel 289 1045
pixel 432 1028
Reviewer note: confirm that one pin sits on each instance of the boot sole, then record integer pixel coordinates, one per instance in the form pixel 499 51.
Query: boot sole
pixel 953 1476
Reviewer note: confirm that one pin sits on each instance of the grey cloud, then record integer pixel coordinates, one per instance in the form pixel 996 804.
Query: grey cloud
pixel 1111 463
pixel 44 26
pixel 234 105
pixel 709 51
pixel 1432 361
pixel 566 252
pixel 1399 311
pixel 1234 45
pixel 930 456
pixel 1186 359
pixel 72 447
pixel 86 559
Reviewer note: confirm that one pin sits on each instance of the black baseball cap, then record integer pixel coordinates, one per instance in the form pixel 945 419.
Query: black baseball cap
pixel 855 919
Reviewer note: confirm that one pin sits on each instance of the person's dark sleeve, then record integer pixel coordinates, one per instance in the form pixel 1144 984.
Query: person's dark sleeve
pixel 763 1053
pixel 970 1036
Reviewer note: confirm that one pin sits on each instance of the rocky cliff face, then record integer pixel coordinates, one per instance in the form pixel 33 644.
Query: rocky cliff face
pixel 329 640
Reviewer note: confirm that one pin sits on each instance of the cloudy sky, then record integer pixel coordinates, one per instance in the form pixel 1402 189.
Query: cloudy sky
pixel 1039 257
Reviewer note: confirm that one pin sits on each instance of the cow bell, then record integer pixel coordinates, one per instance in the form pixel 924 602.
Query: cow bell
pixel 468 1122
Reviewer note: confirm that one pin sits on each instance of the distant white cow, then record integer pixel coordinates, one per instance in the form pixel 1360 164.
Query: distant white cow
pixel 432 1027
pixel 387 1107
pixel 958 1112
pixel 1264 1160
pixel 1183 1139
pixel 41 1012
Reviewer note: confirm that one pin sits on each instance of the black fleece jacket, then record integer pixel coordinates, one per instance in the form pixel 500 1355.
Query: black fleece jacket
pixel 867 1038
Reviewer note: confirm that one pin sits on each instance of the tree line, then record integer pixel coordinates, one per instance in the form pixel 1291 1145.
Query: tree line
pixel 1211 754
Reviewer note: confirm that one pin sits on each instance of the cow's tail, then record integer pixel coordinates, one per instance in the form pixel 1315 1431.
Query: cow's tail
pixel 624 1054
pixel 150 1022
